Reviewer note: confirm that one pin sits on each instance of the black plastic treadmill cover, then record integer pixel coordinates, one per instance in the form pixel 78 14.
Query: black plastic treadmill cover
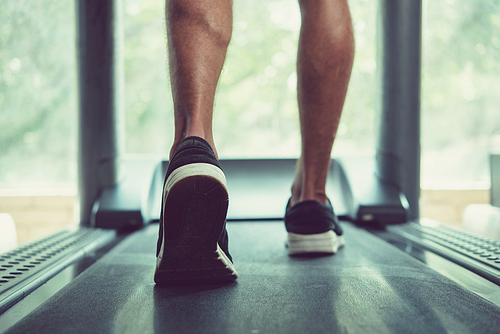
pixel 369 286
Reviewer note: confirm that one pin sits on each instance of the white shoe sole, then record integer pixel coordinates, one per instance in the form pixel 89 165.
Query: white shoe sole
pixel 196 169
pixel 195 205
pixel 321 243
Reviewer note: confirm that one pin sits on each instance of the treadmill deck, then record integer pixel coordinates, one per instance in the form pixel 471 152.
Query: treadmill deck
pixel 368 286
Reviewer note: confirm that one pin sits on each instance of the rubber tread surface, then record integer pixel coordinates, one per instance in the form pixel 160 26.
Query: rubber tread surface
pixel 369 286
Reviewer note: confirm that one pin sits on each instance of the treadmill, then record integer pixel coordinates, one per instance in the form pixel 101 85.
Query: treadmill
pixel 397 273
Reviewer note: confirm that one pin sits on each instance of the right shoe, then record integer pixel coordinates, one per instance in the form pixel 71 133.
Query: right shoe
pixel 313 228
pixel 193 243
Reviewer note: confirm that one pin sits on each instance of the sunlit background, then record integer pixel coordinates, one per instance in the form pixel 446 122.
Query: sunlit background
pixel 256 111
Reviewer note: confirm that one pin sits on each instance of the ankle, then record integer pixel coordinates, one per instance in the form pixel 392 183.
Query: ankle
pixel 301 196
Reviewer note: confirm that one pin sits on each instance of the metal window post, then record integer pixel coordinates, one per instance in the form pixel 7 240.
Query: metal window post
pixel 398 151
pixel 100 73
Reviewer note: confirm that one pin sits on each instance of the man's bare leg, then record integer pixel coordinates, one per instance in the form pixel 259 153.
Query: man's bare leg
pixel 199 32
pixel 324 63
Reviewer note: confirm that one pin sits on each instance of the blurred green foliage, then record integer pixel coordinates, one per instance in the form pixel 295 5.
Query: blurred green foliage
pixel 148 102
pixel 460 90
pixel 37 91
pixel 256 111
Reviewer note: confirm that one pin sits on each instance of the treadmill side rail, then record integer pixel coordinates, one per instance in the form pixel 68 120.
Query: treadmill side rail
pixel 26 268
pixel 125 204
pixel 259 190
pixel 383 204
pixel 375 202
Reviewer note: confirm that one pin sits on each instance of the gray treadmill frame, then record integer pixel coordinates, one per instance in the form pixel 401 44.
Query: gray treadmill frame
pixel 394 193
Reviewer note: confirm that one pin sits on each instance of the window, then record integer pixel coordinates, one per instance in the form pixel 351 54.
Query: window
pixel 38 109
pixel 256 97
pixel 38 92
pixel 460 104
pixel 460 92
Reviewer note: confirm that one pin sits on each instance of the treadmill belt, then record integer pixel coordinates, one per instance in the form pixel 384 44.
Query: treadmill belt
pixel 369 286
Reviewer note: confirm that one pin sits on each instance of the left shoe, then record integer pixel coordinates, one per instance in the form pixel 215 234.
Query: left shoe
pixel 193 243
pixel 313 228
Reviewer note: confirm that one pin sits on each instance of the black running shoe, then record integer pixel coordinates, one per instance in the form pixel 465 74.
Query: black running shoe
pixel 193 243
pixel 313 228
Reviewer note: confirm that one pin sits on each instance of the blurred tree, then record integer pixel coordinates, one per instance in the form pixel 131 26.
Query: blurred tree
pixel 256 110
pixel 148 107
pixel 460 99
pixel 37 91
